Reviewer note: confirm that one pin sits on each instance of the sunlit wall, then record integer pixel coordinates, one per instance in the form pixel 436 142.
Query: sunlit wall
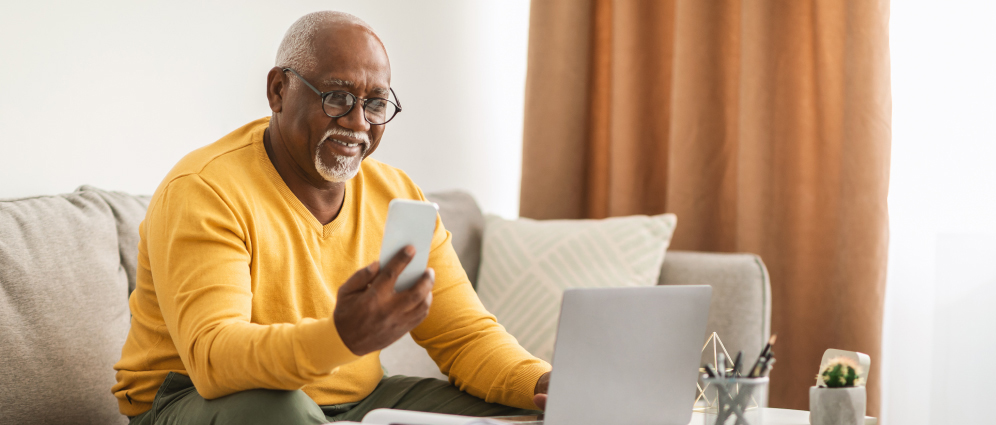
pixel 940 324
pixel 112 93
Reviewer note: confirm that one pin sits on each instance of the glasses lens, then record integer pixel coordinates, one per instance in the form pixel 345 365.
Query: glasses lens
pixel 379 111
pixel 338 103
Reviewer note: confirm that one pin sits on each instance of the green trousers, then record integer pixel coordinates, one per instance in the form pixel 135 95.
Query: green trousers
pixel 177 402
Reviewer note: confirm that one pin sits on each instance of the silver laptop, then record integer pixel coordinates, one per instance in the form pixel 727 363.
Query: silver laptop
pixel 627 355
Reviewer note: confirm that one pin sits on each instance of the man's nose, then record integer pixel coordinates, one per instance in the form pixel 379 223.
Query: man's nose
pixel 354 119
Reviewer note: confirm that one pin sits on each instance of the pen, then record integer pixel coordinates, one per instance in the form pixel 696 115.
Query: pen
pixel 721 365
pixel 767 366
pixel 738 363
pixel 767 347
pixel 755 371
pixel 711 371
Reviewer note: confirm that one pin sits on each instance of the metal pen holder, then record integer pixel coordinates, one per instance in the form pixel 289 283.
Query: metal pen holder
pixel 735 401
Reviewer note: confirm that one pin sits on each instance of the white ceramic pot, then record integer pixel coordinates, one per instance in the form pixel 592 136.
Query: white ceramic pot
pixel 837 406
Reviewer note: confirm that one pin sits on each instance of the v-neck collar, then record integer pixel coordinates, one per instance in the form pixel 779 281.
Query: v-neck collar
pixel 292 199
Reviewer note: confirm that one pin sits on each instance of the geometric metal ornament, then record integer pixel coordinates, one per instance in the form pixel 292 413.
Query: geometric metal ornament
pixel 717 347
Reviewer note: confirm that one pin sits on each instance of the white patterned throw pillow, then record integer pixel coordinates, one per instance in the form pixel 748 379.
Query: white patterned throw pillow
pixel 526 265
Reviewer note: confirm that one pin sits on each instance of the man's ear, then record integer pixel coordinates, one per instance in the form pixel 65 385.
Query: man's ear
pixel 276 87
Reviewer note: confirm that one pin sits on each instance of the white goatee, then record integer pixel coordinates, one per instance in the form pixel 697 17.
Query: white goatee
pixel 345 167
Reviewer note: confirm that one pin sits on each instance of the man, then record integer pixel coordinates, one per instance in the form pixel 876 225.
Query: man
pixel 259 299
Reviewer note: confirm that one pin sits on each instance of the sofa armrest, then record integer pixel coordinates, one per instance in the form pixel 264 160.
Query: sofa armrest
pixel 740 311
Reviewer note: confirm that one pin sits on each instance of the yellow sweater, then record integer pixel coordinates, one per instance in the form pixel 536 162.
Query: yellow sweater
pixel 237 282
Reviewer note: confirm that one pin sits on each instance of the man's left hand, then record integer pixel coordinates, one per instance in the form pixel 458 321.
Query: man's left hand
pixel 539 394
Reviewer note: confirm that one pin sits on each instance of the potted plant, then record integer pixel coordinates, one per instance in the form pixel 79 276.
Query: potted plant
pixel 839 397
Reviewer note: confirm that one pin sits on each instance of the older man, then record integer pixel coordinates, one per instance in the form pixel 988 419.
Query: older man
pixel 259 299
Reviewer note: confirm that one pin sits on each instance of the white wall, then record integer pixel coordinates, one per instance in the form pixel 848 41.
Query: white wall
pixel 940 320
pixel 112 93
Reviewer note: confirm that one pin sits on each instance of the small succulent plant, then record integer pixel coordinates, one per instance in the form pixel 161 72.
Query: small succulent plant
pixel 841 372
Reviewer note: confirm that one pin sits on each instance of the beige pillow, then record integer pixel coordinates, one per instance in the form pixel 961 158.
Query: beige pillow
pixel 526 265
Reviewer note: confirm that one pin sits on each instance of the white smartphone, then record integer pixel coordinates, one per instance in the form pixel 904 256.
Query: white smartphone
pixel 408 223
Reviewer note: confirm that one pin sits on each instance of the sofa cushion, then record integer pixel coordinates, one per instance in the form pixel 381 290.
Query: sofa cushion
pixel 526 265
pixel 63 310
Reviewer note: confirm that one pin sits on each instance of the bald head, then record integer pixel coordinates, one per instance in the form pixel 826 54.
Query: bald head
pixel 298 50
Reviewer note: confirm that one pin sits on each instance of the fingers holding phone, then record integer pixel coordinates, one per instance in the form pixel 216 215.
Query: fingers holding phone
pixel 370 315
pixel 383 301
pixel 386 280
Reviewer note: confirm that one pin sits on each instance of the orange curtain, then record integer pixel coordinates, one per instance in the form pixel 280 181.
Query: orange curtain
pixel 764 125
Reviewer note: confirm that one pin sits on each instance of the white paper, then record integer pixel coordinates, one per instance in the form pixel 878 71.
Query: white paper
pixel 408 417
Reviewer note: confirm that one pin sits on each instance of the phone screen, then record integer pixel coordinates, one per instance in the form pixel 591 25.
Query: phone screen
pixel 409 223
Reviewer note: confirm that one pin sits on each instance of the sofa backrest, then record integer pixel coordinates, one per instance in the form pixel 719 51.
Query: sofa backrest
pixel 464 220
pixel 740 311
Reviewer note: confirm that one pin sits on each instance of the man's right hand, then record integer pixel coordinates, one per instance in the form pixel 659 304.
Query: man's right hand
pixel 370 315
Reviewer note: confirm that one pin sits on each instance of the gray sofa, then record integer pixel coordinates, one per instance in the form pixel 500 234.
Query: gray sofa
pixel 67 265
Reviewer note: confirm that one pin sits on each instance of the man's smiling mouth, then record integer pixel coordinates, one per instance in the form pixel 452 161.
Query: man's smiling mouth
pixel 349 145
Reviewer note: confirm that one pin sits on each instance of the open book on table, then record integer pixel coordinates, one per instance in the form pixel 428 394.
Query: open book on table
pixel 408 417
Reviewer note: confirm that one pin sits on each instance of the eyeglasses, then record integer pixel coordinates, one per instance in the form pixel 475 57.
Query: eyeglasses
pixel 339 103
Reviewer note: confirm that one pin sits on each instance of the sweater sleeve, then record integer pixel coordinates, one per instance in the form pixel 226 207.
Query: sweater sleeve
pixel 200 262
pixel 467 342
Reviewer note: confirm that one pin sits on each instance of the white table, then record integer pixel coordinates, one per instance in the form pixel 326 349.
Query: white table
pixel 774 416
